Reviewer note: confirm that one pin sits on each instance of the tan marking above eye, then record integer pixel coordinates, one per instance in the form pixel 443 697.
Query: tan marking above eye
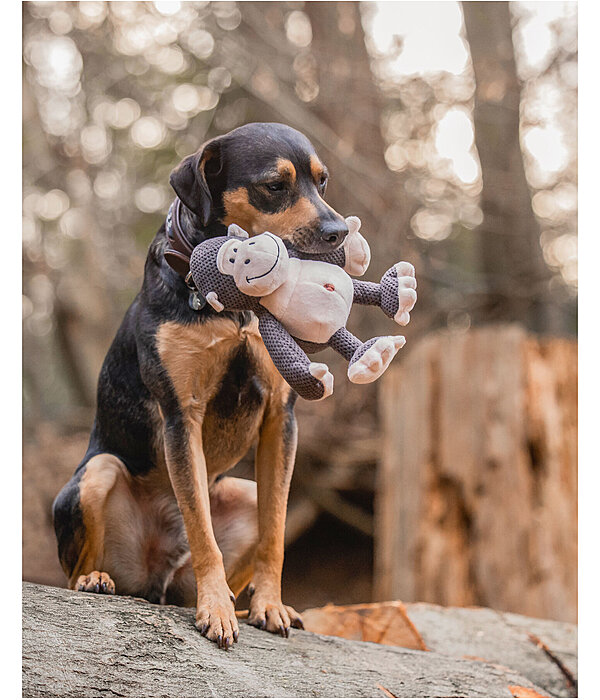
pixel 286 169
pixel 317 169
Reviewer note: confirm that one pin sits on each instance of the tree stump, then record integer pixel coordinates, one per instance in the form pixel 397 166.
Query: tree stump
pixel 477 487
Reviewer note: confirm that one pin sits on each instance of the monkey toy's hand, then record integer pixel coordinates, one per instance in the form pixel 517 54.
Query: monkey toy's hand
pixel 398 292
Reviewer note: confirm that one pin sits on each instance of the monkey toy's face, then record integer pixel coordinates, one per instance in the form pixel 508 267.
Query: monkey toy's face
pixel 258 265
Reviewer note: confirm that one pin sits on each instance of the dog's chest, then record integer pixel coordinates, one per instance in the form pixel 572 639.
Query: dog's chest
pixel 223 377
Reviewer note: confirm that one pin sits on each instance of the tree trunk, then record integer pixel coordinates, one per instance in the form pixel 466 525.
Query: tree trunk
pixel 510 248
pixel 477 492
pixel 351 104
pixel 86 645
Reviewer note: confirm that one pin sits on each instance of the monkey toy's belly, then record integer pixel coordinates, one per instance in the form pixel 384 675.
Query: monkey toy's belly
pixel 314 303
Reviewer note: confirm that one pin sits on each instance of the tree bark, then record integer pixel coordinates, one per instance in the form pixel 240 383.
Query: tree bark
pixel 510 250
pixel 350 102
pixel 86 645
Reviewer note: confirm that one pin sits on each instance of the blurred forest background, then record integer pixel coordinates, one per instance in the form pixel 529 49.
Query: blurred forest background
pixel 449 128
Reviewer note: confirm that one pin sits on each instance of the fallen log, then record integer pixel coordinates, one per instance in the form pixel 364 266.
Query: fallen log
pixel 86 645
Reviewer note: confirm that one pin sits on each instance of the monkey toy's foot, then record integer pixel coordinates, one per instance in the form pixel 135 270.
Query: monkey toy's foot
pixel 372 358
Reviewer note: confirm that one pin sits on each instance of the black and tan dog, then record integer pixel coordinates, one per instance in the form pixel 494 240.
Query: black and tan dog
pixel 182 396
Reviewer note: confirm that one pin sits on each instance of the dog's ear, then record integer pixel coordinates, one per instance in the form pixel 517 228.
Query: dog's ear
pixel 190 179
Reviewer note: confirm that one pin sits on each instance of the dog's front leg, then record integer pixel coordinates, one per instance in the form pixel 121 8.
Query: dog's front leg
pixel 215 614
pixel 274 466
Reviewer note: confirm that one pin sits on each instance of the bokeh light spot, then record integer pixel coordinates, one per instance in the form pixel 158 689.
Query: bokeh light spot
pixel 148 132
pixel 150 198
pixel 51 205
pixel 546 145
pixel 167 8
pixel 298 29
pixel 201 43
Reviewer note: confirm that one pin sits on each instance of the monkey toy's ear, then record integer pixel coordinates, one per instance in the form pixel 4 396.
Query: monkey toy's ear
pixel 237 231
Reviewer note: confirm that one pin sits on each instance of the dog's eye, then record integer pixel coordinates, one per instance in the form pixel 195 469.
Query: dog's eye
pixel 323 183
pixel 275 186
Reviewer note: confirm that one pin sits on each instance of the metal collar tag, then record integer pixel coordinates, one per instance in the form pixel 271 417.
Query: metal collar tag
pixel 196 301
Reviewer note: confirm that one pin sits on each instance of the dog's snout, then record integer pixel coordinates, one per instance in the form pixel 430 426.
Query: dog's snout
pixel 333 232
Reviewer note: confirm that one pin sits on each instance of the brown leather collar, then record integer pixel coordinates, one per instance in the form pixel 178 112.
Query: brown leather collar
pixel 180 249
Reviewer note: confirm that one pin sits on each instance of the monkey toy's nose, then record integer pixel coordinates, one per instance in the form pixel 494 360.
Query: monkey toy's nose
pixel 333 232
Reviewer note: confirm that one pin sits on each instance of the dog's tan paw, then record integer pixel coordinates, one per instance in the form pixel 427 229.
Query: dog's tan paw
pixel 96 582
pixel 216 620
pixel 274 617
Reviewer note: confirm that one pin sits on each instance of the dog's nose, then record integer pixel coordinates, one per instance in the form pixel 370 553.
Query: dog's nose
pixel 334 232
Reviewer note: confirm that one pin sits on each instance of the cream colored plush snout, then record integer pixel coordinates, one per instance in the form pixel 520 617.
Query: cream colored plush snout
pixel 258 264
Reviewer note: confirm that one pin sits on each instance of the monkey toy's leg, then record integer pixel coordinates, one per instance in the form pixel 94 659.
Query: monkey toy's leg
pixel 395 295
pixel 367 361
pixel 311 380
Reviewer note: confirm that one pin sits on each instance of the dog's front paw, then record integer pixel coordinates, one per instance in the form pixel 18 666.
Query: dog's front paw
pixel 272 615
pixel 96 582
pixel 215 617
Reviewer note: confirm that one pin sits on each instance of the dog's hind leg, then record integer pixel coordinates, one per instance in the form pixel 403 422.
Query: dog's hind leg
pixel 79 523
pixel 119 533
pixel 234 513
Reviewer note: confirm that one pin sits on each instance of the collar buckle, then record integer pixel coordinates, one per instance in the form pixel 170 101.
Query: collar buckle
pixel 189 282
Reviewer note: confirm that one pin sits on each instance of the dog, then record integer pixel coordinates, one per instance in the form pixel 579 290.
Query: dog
pixel 183 394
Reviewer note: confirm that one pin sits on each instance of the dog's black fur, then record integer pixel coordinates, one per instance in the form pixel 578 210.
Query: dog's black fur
pixel 264 177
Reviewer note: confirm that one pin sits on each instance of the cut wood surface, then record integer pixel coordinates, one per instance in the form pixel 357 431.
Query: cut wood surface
pixel 477 487
pixel 86 645
pixel 382 623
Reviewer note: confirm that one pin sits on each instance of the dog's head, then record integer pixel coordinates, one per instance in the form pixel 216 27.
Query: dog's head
pixel 263 177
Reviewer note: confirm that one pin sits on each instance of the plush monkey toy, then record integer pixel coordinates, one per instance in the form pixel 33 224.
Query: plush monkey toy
pixel 303 304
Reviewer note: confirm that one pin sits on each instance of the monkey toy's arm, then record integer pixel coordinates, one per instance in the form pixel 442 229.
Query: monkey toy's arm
pixel 311 380
pixel 395 294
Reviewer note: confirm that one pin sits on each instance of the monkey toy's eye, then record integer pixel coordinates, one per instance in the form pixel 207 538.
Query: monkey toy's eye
pixel 275 186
